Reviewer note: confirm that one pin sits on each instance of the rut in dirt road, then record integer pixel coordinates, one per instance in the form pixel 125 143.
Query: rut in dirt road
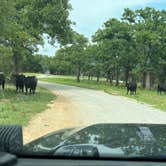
pixel 76 106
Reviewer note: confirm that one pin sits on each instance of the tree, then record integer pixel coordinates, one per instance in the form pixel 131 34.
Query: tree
pixel 28 20
pixel 148 39
pixel 114 39
pixel 77 53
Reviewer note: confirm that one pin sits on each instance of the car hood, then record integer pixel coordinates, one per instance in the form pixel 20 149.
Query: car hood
pixel 103 140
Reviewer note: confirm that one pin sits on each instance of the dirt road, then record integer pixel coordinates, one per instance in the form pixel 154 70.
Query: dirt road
pixel 76 106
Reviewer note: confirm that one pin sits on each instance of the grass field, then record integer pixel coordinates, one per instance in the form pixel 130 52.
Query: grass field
pixel 146 96
pixel 17 108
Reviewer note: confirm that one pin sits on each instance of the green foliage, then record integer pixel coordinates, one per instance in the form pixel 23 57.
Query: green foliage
pixel 130 49
pixel 24 22
pixel 71 58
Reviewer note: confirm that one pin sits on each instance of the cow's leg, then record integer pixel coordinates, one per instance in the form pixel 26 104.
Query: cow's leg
pixel 3 85
pixel 159 92
pixel 16 88
pixel 34 90
pixel 30 90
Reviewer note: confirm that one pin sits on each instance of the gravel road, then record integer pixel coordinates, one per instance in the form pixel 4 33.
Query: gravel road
pixel 76 106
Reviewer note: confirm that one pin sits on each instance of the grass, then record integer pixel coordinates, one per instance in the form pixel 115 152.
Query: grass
pixel 33 74
pixel 145 96
pixel 18 108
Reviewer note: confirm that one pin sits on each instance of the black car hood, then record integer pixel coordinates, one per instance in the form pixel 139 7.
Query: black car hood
pixel 104 140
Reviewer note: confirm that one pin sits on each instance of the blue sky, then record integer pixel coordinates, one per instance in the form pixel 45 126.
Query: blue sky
pixel 89 15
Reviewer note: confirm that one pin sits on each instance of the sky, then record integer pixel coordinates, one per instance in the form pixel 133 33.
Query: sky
pixel 89 15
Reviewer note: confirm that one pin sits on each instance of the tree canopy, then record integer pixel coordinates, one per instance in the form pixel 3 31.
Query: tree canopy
pixel 130 49
pixel 24 22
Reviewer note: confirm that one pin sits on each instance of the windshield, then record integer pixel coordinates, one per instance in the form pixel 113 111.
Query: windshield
pixel 83 78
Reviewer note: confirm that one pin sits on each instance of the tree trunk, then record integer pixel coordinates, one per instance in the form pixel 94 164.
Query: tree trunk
pixel 147 80
pixel 78 74
pixel 89 76
pixel 143 81
pixel 117 75
pixel 98 77
pixel 111 78
pixel 15 64
pixel 126 76
pixel 108 76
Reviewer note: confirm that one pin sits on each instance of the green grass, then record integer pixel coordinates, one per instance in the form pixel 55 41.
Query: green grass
pixel 145 96
pixel 33 74
pixel 18 108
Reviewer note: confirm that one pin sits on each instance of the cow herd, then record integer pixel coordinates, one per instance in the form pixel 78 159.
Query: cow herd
pixel 132 88
pixel 28 84
pixel 23 83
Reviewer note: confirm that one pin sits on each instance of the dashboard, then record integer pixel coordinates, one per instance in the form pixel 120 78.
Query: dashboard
pixel 56 162
pixel 12 160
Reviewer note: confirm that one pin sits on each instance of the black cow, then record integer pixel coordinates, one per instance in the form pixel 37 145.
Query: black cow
pixel 2 80
pixel 30 83
pixel 19 82
pixel 161 88
pixel 132 88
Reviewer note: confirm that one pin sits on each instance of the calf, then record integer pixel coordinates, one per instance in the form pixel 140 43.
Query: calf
pixel 19 82
pixel 161 88
pixel 132 88
pixel 30 83
pixel 2 80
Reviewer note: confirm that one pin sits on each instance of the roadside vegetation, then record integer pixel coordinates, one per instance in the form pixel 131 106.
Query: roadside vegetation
pixel 18 108
pixel 145 96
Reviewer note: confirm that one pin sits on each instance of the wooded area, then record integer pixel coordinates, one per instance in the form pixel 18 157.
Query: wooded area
pixel 129 49
pixel 132 48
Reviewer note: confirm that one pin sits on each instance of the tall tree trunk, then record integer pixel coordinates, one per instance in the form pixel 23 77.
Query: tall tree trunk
pixel 144 80
pixel 98 77
pixel 78 73
pixel 126 76
pixel 89 76
pixel 147 80
pixel 117 75
pixel 108 76
pixel 111 78
pixel 15 64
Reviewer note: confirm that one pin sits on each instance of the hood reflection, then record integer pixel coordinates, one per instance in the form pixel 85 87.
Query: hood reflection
pixel 107 139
